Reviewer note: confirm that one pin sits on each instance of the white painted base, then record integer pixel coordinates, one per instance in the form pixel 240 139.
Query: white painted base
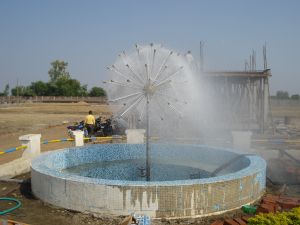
pixel 32 143
pixel 78 136
pixel 135 136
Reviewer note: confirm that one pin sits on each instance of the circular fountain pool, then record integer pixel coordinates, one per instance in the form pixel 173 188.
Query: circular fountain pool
pixel 186 180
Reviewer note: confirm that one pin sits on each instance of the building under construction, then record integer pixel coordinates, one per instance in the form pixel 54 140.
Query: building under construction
pixel 242 97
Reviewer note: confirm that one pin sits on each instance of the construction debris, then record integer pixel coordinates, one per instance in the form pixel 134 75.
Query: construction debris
pixel 269 204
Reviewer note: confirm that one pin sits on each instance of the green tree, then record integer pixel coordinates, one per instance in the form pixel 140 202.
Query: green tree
pixel 60 84
pixel 295 97
pixel 83 91
pixel 6 91
pixel 69 87
pixel 58 70
pixel 17 90
pixel 97 92
pixel 39 88
pixel 282 95
pixel 22 91
pixel 51 89
pixel 28 92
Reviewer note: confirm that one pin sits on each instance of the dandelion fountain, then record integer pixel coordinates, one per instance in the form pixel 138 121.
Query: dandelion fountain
pixel 146 79
pixel 180 180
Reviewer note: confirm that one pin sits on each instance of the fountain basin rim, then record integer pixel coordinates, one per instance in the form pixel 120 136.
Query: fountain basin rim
pixel 255 165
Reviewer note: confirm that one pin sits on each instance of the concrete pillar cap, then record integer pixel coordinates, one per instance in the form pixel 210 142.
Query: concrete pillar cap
pixel 141 131
pixel 77 132
pixel 29 137
pixel 78 135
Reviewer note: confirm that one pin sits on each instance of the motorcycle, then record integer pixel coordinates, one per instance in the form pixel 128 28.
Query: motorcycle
pixel 77 126
pixel 101 129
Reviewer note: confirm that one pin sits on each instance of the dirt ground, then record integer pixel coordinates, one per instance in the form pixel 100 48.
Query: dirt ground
pixel 51 121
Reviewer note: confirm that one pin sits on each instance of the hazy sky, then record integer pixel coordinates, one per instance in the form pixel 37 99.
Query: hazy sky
pixel 89 35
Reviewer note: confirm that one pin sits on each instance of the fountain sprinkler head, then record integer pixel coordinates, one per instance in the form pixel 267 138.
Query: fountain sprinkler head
pixel 149 89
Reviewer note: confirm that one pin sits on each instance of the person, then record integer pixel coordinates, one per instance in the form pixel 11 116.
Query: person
pixel 90 123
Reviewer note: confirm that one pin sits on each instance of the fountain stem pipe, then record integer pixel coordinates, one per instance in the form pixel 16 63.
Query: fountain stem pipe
pixel 148 160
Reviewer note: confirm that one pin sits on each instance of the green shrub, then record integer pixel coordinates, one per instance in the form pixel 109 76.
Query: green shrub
pixel 283 218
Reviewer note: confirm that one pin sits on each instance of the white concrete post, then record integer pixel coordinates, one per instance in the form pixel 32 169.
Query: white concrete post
pixel 32 143
pixel 135 136
pixel 78 136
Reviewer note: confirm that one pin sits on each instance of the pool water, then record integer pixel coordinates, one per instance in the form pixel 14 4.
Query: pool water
pixel 131 170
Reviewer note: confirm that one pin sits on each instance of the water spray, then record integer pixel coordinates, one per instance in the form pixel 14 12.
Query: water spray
pixel 152 80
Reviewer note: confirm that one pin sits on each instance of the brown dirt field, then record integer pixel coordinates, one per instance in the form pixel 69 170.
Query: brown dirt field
pixel 46 119
pixel 281 111
pixel 292 113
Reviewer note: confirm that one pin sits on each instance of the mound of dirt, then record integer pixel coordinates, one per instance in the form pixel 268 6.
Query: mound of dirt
pixel 82 103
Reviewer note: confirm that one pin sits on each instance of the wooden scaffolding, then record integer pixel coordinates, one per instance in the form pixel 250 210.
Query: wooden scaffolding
pixel 242 97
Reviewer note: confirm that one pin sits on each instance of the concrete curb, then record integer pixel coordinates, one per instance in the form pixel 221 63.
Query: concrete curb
pixel 15 168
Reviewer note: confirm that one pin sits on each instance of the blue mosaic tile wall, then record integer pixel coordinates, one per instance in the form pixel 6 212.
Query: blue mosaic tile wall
pixel 241 183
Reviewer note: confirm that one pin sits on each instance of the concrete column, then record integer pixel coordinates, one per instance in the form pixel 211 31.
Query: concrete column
pixel 135 136
pixel 266 100
pixel 78 136
pixel 33 144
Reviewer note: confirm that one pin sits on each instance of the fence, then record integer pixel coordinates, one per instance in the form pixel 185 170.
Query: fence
pixel 103 100
pixel 54 99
